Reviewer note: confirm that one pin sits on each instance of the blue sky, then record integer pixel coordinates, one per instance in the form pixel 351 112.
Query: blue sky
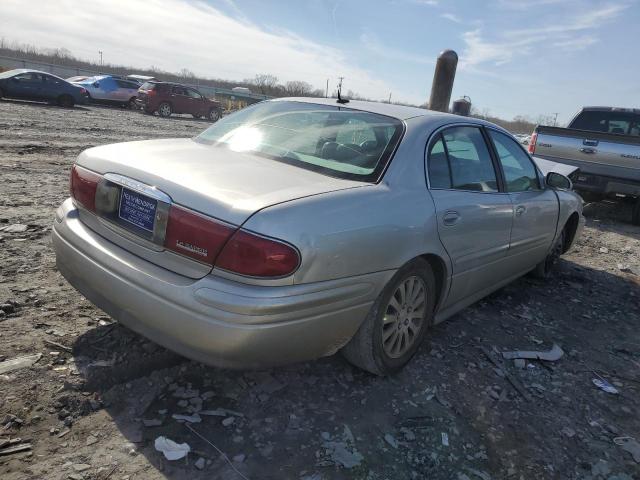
pixel 522 57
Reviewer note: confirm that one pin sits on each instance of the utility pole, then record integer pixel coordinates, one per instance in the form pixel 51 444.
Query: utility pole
pixel 326 94
pixel 390 97
pixel 340 85
pixel 100 52
pixel 555 119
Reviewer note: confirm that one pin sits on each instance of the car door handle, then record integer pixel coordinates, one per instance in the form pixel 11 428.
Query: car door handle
pixel 520 209
pixel 588 150
pixel 590 143
pixel 451 218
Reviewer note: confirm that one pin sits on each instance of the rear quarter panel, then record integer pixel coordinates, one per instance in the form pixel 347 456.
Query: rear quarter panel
pixel 364 229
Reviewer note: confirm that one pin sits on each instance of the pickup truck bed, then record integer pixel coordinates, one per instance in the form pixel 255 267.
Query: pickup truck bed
pixel 608 155
pixel 609 163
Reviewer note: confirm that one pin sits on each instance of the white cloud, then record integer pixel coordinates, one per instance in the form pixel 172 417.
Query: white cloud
pixel 176 34
pixel 571 33
pixel 452 17
pixel 430 3
pixel 377 48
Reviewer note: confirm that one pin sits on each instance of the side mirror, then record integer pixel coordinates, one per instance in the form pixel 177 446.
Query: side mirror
pixel 557 180
pixel 96 84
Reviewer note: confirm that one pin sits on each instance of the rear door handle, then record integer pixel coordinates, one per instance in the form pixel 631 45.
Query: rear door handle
pixel 587 142
pixel 588 150
pixel 520 209
pixel 451 218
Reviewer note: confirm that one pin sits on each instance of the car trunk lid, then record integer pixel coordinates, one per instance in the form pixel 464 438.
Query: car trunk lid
pixel 209 180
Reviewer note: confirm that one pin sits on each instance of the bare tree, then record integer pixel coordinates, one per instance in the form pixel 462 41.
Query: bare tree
pixel 266 83
pixel 298 88
pixel 186 73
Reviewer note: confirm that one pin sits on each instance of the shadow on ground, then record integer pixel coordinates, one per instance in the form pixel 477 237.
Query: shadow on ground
pixel 449 414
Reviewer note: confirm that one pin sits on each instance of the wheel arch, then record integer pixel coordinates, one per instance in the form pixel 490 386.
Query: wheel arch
pixel 440 272
pixel 570 228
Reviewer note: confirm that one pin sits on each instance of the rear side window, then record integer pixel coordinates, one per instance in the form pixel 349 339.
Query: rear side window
pixel 519 172
pixel 439 173
pixel 148 86
pixel 469 163
pixel 621 123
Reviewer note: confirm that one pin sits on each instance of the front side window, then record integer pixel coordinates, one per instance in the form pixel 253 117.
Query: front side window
pixel 333 140
pixel 194 94
pixel 519 172
pixel 469 160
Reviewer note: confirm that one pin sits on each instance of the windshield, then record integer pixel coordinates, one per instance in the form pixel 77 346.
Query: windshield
pixel 333 140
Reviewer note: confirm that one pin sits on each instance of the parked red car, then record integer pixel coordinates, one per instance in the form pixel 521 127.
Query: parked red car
pixel 167 98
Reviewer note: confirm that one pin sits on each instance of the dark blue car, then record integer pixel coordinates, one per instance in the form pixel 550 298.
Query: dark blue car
pixel 35 85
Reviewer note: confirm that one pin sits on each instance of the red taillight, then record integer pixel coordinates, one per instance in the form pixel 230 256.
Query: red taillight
pixel 83 186
pixel 195 235
pixel 532 143
pixel 151 93
pixel 255 256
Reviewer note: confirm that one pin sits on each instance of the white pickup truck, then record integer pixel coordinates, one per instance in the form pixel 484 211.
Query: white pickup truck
pixel 604 142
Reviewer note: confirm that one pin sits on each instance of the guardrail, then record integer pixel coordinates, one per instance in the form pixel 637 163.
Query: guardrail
pixel 66 71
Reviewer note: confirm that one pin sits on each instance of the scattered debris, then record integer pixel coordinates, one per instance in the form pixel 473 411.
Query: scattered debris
pixel 199 464
pixel 195 418
pixel 170 449
pixel 445 439
pixel 629 444
pixel 216 449
pixel 57 345
pixel 552 355
pixel 519 363
pixel 568 432
pixel 152 422
pixel 91 440
pixel 21 447
pixel 15 228
pixel 521 390
pixel 391 440
pixel 19 363
pixel 605 386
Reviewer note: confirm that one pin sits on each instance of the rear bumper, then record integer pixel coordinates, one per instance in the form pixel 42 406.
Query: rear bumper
pixel 212 320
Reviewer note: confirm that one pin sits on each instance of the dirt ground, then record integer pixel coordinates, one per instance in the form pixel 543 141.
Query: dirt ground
pixel 93 405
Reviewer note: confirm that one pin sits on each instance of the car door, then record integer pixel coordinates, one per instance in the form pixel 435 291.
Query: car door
pixel 536 208
pixel 474 215
pixel 179 99
pixel 52 87
pixel 196 102
pixel 24 85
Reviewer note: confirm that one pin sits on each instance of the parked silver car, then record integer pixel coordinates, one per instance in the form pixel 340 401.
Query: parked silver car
pixel 296 228
pixel 111 90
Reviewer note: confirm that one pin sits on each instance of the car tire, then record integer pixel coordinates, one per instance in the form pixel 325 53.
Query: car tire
pixel 387 326
pixel 66 101
pixel 165 110
pixel 545 268
pixel 1 93
pixel 132 103
pixel 635 212
pixel 214 115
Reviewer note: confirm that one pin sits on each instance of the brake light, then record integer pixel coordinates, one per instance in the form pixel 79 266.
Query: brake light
pixel 251 255
pixel 532 143
pixel 83 185
pixel 151 92
pixel 195 235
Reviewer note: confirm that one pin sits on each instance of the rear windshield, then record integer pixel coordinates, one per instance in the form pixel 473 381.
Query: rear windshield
pixel 622 123
pixel 332 140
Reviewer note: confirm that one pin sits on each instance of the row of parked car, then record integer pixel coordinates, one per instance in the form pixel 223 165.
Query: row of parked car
pixel 137 92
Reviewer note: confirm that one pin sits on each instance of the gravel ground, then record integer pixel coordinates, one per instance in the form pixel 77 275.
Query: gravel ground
pixel 92 406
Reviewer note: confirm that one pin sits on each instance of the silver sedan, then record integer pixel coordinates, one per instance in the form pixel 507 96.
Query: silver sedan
pixel 297 228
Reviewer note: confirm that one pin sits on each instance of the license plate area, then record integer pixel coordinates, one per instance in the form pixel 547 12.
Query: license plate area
pixel 138 210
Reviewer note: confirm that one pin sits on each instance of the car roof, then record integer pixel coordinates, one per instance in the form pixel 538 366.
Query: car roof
pixel 401 112
pixel 30 70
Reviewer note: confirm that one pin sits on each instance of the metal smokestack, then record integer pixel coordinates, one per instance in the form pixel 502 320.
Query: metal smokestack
pixel 443 78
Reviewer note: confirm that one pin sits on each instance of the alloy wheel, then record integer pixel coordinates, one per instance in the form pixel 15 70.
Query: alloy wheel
pixel 404 317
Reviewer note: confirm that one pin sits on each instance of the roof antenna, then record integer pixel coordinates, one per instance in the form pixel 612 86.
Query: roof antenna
pixel 340 99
